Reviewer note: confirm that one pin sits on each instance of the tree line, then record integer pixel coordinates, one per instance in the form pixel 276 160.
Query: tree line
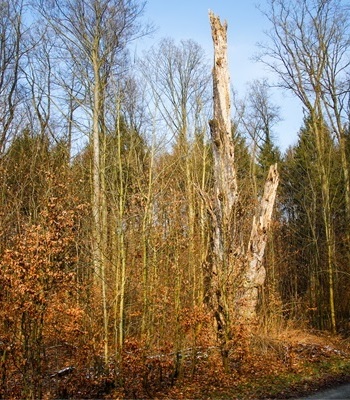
pixel 131 233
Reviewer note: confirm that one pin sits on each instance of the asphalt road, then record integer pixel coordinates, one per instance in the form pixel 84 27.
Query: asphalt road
pixel 339 392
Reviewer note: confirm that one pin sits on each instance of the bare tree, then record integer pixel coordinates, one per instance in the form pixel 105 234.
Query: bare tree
pixel 95 35
pixel 178 75
pixel 12 48
pixel 256 116
pixel 39 82
pixel 309 51
pixel 234 273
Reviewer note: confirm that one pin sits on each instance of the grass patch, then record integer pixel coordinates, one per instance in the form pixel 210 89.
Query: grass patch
pixel 309 378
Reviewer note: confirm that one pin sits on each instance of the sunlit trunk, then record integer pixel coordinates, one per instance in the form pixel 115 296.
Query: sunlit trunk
pixel 233 274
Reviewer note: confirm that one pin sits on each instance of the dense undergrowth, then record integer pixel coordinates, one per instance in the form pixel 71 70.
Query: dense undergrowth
pixel 282 366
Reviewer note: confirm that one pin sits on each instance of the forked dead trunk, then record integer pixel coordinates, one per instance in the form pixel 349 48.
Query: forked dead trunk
pixel 233 275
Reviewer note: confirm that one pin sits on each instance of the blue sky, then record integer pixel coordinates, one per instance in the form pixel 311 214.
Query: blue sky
pixel 188 19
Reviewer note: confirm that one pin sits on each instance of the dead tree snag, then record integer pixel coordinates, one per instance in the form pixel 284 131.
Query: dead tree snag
pixel 232 274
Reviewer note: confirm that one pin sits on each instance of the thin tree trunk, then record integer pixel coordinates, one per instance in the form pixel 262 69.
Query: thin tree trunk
pixel 318 130
pixel 146 256
pixel 98 201
pixel 121 238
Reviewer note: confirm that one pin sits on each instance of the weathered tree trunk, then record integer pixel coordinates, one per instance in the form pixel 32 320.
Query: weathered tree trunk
pixel 232 275
pixel 254 271
pixel 225 187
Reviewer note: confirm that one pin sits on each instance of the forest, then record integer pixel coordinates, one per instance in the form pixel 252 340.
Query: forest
pixel 154 240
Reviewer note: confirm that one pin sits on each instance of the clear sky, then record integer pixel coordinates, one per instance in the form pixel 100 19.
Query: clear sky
pixel 188 19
